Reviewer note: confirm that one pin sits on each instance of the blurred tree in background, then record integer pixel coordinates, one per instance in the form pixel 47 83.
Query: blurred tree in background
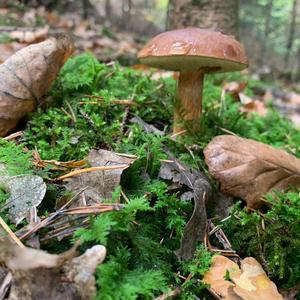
pixel 211 14
pixel 269 29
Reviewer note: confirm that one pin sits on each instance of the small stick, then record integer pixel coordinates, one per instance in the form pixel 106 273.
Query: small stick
pixel 125 197
pixel 11 233
pixel 92 169
pixel 228 131
pixel 46 221
pixel 5 285
pixel 13 135
pixel 113 101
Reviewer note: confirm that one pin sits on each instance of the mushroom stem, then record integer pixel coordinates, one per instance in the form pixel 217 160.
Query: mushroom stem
pixel 188 103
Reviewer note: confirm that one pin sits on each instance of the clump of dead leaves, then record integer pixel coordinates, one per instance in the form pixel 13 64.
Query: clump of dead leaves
pixel 27 75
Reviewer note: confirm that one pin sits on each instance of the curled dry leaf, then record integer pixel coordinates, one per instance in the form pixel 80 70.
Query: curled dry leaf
pixel 248 283
pixel 27 75
pixel 249 169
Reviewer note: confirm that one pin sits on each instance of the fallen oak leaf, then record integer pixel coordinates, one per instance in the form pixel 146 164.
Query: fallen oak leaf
pixel 230 282
pixel 254 106
pixel 249 169
pixel 253 283
pixel 27 75
pixel 215 275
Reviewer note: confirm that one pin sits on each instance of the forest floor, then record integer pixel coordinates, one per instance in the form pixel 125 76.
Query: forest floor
pixel 108 112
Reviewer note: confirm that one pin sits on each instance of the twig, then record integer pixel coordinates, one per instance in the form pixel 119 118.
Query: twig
pixel 71 112
pixel 93 209
pixel 228 131
pixel 125 197
pixel 124 120
pixel 46 221
pixel 11 233
pixel 88 119
pixel 92 169
pixel 173 136
pixel 13 136
pixel 127 102
pixel 5 285
pixel 169 295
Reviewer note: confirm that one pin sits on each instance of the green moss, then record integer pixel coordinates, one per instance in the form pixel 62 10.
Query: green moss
pixel 273 237
pixel 141 238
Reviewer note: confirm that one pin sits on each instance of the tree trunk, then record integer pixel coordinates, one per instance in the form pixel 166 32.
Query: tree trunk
pixel 296 71
pixel 290 40
pixel 108 11
pixel 211 14
pixel 126 12
pixel 268 14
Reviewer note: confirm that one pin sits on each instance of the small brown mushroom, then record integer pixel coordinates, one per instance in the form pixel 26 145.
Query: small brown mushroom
pixel 193 52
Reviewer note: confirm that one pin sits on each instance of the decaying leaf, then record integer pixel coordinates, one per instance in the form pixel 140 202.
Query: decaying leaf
pixel 253 283
pixel 230 282
pixel 29 37
pixel 215 277
pixel 195 229
pixel 99 185
pixel 249 105
pixel 249 169
pixel 26 191
pixel 40 275
pixel 27 75
pixel 234 88
pixel 6 50
pixel 255 106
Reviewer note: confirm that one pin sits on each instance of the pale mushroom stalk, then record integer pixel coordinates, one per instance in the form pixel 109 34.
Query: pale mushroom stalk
pixel 188 104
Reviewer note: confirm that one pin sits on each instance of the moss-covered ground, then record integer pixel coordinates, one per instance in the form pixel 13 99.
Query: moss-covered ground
pixel 141 238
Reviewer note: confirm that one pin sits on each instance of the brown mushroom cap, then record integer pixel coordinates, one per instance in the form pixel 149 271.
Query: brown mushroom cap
pixel 193 49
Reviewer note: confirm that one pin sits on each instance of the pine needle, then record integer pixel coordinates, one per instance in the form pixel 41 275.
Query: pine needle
pixel 11 233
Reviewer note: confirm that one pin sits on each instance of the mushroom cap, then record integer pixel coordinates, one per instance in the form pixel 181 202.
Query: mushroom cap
pixel 193 49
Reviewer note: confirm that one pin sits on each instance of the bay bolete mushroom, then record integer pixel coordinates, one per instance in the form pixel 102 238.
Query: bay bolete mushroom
pixel 193 52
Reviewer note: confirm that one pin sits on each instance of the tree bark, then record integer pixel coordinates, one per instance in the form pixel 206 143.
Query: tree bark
pixel 268 14
pixel 291 35
pixel 211 14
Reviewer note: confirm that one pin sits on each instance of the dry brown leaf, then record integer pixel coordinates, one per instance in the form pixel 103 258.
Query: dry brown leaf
pixel 255 106
pixel 215 276
pixel 295 118
pixel 234 87
pixel 27 75
pixel 248 283
pixel 253 283
pixel 99 184
pixel 30 37
pixel 6 50
pixel 249 169
pixel 294 98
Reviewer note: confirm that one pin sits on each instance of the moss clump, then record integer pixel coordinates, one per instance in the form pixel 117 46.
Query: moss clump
pixel 273 236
